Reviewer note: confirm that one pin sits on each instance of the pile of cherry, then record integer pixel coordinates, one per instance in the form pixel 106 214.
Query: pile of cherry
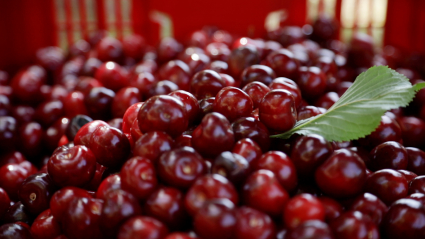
pixel 173 142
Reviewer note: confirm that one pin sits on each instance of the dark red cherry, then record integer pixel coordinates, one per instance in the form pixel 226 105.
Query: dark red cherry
pixel 125 98
pixel 277 110
pixel 180 167
pixel 206 188
pixel 12 175
pixel 91 65
pixel 248 127
pixel 31 139
pixel 257 73
pixel 14 230
pixel 311 229
pixel 301 208
pixel 45 226
pixel 370 205
pixel 110 183
pixel 308 153
pixel 61 199
pixel 256 91
pixel 284 83
pixel 74 104
pixel 216 219
pixel 35 192
pixel 283 63
pixel 206 106
pixel 417 185
pixel 111 75
pixel 253 224
pixel 306 112
pixel 163 113
pixel 48 112
pixel 85 84
pixel 388 130
pixel 168 49
pixel 388 155
pixel 282 167
pixel 342 175
pixel 213 136
pixel 361 226
pixel 143 81
pixel 167 205
pixel 142 227
pixel 152 144
pixel 110 146
pixel 233 103
pixel 327 100
pixel 387 184
pixel 72 166
pixel 177 72
pixel 129 116
pixel 241 58
pixel 312 82
pixel 23 113
pixel 218 66
pixel 333 208
pixel 85 132
pixel 99 102
pixel 404 219
pixel 190 103
pixel 408 175
pixel 4 202
pixel 26 85
pixel 17 213
pixel 14 157
pixel 232 166
pixel 138 176
pixel 54 133
pixel 263 191
pixel 109 49
pixel 8 133
pixel 183 140
pixel 420 197
pixel 134 46
pixel 416 160
pixel 413 131
pixel 218 51
pixel 206 83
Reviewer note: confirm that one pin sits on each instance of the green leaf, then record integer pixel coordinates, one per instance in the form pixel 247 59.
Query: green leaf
pixel 358 112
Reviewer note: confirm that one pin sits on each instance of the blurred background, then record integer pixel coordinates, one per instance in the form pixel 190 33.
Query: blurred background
pixel 27 25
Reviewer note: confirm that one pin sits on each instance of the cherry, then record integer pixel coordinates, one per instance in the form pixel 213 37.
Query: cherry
pixel 253 129
pixel 143 81
pixel 216 219
pixel 387 184
pixel 361 226
pixel 22 113
pixel 282 119
pixel 48 112
pixel 248 149
pixel 343 174
pixel 190 104
pixel 35 193
pixel 232 166
pixel 213 136
pixel 390 155
pixel 31 139
pixel 82 218
pixel 312 82
pixel 74 104
pixel 206 188
pixel 124 98
pixel 4 202
pixel 12 175
pixel 233 103
pixel 408 175
pixel 129 116
pixel 180 235
pixel 84 134
pixel 284 83
pixel 416 160
pixel 99 101
pixel 168 49
pixel 256 91
pixel 177 72
pixel 306 112
pixel 110 183
pixel 413 131
pixel 152 144
pixel 14 157
pixel 417 185
pixel 118 206
pixel 405 219
pixel 197 61
pixel 8 133
pixel 59 202
pixel 218 51
pixel 229 80
pixel 420 197
pixel 282 167
pixel 311 229
pixel 333 209
pixel 308 153
pixel 327 100
pixel 257 73
pixel 361 50
pixel 252 224
pixel 206 83
pixel 14 230
pixel 27 83
pixel 142 227
pixel 139 177
pixel 183 140
pixel 110 146
pixel 167 205
pixel 218 66
pixel 206 105
pixel 45 226
pixel 388 130
pixel 262 191
pixel 134 46
pixel 17 213
pixel 301 208
pixel 163 87
pixel 148 64
pixel 283 63
pixel 241 58
pixel 180 167
pixel 54 133
pixel 370 205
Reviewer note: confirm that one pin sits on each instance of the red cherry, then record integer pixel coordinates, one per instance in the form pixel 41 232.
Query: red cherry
pixel 252 224
pixel 152 144
pixel 45 226
pixel 142 227
pixel 233 103
pixel 206 83
pixel 277 110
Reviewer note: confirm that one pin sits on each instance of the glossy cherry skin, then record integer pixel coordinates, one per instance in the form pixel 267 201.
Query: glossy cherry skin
pixel 15 157
pixel 143 81
pixel 232 166
pixel 309 152
pixel 233 103
pixel 183 140
pixel 138 176
pixel 206 83
pixel 123 99
pixel 417 185
pixel 206 106
pixel 301 208
pixel 370 205
pixel 256 91
pixel 111 75
pixel 35 192
pixel 213 136
pixel 282 167
pixel 110 183
pixel 72 166
pixel 109 49
pixel 162 87
pixel 216 219
pixel 253 224
pixel 4 202
pixel 17 213
pixel 248 149
pixel 110 146
pixel 312 82
pixel 206 188
pixel 388 130
pixel 129 116
pixel 327 100
pixel 277 110
pixel 190 103
pixel 284 83
pixel 152 144
pixel 54 133
pixel 180 235
pixel 74 104
pixel 180 167
pixel 163 113
pixel 248 127
pixel 48 112
pixel 22 113
pixel 241 58
pixel 342 175
pixel 12 176
pixel 61 199
pixel 167 205
pixel 408 175
pixel 118 206
pixel 31 139
pixel 306 112
pixel 177 72
pixel 82 218
pixel 84 134
pixel 142 227
pixel 333 208
pixel 413 131
pixel 263 191
pixel 8 133
pixel 26 85
pixel 14 230
pixel 45 226
pixel 405 219
pixel 311 229
pixel 416 160
pixel 283 63
pixel 257 73
pixel 99 102
pixel 387 184
pixel 361 226
pixel 388 155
